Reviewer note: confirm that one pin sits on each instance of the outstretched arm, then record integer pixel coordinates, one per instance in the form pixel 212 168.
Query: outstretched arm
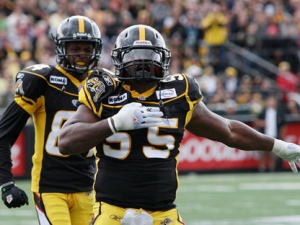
pixel 233 133
pixel 238 135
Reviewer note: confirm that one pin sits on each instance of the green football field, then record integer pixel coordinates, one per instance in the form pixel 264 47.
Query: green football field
pixel 216 199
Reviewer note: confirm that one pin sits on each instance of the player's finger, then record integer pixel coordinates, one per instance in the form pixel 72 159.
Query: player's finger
pixel 155 114
pixel 298 162
pixel 153 109
pixel 293 166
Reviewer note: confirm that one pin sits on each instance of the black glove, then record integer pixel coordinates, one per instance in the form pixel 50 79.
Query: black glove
pixel 13 196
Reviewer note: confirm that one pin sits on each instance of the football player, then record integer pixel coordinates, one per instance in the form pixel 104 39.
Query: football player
pixel 61 184
pixel 137 120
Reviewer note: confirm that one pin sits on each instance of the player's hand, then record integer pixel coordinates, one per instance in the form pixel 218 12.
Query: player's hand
pixel 289 152
pixel 135 116
pixel 13 196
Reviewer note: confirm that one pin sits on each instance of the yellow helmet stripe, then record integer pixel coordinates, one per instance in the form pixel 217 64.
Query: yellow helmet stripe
pixel 142 32
pixel 80 25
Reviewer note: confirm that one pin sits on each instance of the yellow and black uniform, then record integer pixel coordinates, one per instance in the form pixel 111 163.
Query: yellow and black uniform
pixel 50 95
pixel 127 156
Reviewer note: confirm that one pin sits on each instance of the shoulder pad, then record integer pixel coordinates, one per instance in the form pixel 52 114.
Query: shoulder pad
pixel 41 70
pixel 103 70
pixel 38 68
pixel 173 77
pixel 108 71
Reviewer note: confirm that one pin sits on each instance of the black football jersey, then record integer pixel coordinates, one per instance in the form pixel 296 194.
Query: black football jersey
pixel 50 95
pixel 138 168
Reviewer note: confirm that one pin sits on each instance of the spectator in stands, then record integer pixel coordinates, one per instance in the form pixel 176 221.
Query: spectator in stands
pixel 192 31
pixel 195 71
pixel 173 25
pixel 159 10
pixel 243 93
pixel 208 81
pixel 214 25
pixel 247 23
pixel 231 107
pixel 292 108
pixel 256 104
pixel 4 88
pixel 18 29
pixel 286 80
pixel 267 87
pixel 230 80
pixel 269 122
pixel 143 17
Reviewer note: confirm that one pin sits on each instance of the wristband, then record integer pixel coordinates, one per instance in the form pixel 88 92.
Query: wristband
pixel 6 184
pixel 278 144
pixel 111 126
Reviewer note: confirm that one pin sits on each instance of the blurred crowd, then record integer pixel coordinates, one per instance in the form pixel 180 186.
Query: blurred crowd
pixel 195 32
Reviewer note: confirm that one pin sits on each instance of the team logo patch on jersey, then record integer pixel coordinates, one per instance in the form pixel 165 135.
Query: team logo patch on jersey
pixel 58 80
pixel 20 75
pixel 166 93
pixel 107 80
pixel 19 88
pixel 96 86
pixel 117 99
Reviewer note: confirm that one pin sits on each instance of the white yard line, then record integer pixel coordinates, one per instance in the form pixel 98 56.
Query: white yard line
pixel 270 186
pixel 28 217
pixel 23 213
pixel 278 220
pixel 26 222
pixel 242 186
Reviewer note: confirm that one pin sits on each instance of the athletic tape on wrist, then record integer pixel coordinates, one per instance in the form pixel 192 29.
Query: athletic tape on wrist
pixel 277 145
pixel 111 126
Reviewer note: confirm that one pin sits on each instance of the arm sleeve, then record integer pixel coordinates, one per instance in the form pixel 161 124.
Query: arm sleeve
pixel 11 125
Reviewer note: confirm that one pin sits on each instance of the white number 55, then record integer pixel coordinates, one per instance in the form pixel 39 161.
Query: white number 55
pixel 123 140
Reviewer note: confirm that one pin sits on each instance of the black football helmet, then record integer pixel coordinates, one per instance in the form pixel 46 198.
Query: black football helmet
pixel 74 29
pixel 140 53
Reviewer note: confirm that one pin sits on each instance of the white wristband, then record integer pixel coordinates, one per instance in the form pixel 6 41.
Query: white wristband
pixel 111 126
pixel 278 144
pixel 6 184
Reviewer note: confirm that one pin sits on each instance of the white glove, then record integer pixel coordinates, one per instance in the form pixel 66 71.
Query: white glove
pixel 135 116
pixel 289 152
pixel 136 217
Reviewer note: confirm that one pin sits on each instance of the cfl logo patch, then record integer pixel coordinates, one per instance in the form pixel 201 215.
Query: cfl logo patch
pixel 9 198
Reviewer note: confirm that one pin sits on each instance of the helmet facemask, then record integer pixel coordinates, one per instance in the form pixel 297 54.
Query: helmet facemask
pixel 142 63
pixel 68 60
